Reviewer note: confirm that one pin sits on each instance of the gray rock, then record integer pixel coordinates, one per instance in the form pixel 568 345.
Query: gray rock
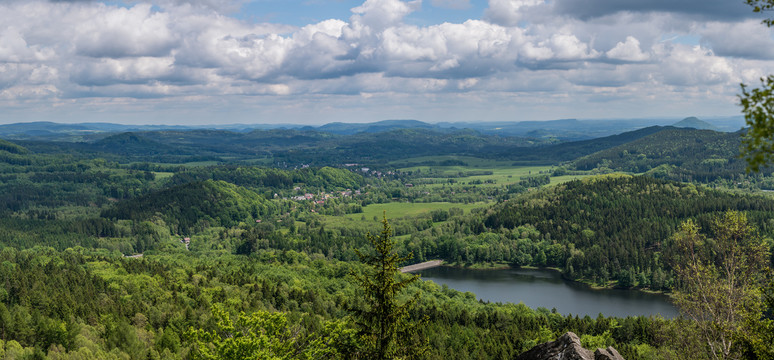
pixel 607 354
pixel 568 347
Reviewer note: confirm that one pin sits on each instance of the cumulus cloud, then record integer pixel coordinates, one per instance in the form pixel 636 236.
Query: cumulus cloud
pixel 136 31
pixel 683 65
pixel 569 47
pixel 381 14
pixel 473 48
pixel 14 48
pixel 628 50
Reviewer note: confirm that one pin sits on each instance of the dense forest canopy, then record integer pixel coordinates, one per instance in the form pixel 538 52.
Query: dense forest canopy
pixel 139 244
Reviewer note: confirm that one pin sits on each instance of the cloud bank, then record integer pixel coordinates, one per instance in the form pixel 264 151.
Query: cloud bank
pixel 521 59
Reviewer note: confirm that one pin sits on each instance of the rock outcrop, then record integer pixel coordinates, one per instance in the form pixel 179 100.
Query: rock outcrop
pixel 568 347
pixel 607 354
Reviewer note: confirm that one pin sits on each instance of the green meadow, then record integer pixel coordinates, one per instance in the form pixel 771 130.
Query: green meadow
pixel 161 175
pixel 502 172
pixel 395 210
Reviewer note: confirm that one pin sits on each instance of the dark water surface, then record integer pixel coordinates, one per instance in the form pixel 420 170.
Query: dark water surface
pixel 543 288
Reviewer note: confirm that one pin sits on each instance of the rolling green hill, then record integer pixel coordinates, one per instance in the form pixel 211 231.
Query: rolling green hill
pixel 195 205
pixel 131 144
pixel 572 150
pixel 14 154
pixel 12 148
pixel 673 153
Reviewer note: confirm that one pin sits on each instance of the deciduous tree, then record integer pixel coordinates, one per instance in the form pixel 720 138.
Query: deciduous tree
pixel 267 335
pixel 719 280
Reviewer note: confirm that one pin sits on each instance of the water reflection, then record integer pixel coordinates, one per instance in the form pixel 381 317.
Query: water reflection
pixel 541 288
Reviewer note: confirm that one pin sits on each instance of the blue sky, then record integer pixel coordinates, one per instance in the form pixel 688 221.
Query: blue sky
pixel 316 61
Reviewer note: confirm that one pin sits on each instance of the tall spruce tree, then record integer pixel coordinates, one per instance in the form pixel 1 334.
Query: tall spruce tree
pixel 382 320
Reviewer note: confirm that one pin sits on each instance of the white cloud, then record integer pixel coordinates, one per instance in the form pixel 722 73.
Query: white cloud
pixel 569 47
pixel 683 65
pixel 381 14
pixel 628 50
pixel 120 32
pixel 13 48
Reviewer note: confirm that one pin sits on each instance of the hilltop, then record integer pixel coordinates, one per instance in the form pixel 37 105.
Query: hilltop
pixel 195 204
pixel 694 123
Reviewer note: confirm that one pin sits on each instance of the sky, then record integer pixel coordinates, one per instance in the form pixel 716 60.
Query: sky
pixel 320 61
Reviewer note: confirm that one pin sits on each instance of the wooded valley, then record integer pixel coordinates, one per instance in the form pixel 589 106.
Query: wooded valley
pixel 166 244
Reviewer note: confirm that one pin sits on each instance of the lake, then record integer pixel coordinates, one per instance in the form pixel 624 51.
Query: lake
pixel 543 288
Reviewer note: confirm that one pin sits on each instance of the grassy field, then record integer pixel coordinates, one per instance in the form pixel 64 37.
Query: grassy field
pixel 399 209
pixel 502 172
pixel 508 175
pixel 201 163
pixel 160 175
pixel 395 210
pixel 472 162
pixel 561 179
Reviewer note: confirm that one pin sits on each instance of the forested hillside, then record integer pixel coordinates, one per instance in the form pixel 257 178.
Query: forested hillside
pixel 676 154
pixel 195 205
pixel 261 178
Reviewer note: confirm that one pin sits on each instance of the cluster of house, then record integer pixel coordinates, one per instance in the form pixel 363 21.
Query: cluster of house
pixel 368 171
pixel 322 196
pixel 378 174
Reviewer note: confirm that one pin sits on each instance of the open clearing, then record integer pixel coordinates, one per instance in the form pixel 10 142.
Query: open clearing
pixel 502 172
pixel 398 209
pixel 372 214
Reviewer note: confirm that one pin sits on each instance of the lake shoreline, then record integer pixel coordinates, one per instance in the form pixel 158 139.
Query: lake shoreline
pixel 495 266
pixel 536 287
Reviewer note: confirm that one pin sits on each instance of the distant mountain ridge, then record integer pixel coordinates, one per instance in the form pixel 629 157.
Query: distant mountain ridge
pixel 553 130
